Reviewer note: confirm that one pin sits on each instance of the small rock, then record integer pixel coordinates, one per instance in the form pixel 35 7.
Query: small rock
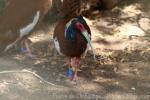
pixel 53 62
pixel 117 83
pixel 58 80
pixel 41 82
pixel 133 88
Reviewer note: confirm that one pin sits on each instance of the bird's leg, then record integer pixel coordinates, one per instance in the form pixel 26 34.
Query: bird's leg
pixel 75 76
pixel 75 62
pixel 69 71
pixel 29 50
pixel 26 43
pixel 23 48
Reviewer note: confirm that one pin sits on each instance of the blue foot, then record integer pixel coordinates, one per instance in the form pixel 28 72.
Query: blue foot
pixel 23 50
pixel 69 72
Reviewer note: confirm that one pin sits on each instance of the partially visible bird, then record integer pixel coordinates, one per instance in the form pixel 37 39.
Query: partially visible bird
pixel 71 38
pixel 18 18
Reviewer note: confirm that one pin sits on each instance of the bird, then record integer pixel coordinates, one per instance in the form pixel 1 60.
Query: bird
pixel 18 19
pixel 72 38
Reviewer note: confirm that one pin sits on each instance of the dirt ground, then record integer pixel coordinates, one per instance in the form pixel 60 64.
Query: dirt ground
pixel 121 39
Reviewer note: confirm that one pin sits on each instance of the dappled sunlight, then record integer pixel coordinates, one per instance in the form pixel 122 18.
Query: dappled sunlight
pixel 40 61
pixel 144 23
pixel 88 87
pixel 58 89
pixel 127 30
pixel 120 29
pixel 103 80
pixel 121 96
pixel 40 37
pixel 131 11
pixel 27 80
pixel 121 71
pixel 26 86
pixel 19 57
pixel 4 88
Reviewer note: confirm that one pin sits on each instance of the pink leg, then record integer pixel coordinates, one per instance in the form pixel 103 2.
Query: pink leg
pixel 75 76
pixel 26 42
pixel 75 62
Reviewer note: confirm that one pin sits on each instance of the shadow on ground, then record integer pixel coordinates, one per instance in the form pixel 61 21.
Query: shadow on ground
pixel 121 71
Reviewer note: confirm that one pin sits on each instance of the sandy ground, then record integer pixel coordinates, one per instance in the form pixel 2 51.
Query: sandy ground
pixel 121 72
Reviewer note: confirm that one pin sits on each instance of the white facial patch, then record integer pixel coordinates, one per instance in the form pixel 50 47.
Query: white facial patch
pixel 27 29
pixel 57 46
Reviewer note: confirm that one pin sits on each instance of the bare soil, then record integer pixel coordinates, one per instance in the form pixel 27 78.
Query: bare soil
pixel 121 39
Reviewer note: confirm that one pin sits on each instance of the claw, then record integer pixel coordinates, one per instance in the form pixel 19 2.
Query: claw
pixel 75 78
pixel 70 73
pixel 31 55
pixel 26 43
pixel 23 50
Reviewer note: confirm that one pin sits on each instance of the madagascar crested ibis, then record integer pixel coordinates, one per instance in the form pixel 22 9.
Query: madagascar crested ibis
pixel 18 18
pixel 72 36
